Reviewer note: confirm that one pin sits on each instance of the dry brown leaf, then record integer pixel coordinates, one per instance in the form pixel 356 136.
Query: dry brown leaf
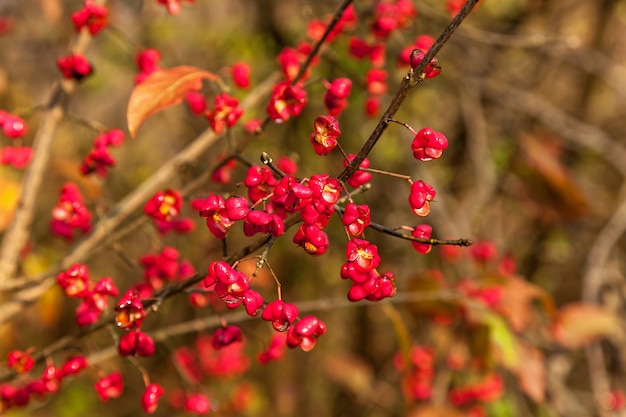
pixel 548 180
pixel 162 89
pixel 516 304
pixel 579 324
pixel 532 374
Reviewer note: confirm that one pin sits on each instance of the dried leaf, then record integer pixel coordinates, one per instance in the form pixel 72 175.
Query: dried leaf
pixel 162 89
pixel 532 375
pixel 517 302
pixel 579 324
pixel 548 181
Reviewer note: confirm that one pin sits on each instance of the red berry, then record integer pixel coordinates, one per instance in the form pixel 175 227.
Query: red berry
pixel 110 386
pixel 150 398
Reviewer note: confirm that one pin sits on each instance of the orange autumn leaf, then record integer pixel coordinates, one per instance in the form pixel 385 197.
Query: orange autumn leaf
pixel 579 324
pixel 517 302
pixel 532 375
pixel 161 89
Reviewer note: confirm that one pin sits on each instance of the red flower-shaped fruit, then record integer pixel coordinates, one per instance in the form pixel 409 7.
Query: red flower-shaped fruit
pixel 305 333
pixel 420 197
pixel 363 254
pixel 197 403
pixel 240 72
pixel 110 386
pixel 287 100
pixel 74 67
pixel 164 205
pixel 150 398
pixel 92 16
pixel 281 314
pixel 136 344
pixel 432 69
pixel 428 144
pixel 19 361
pixel 224 336
pixel 423 231
pixel 225 113
pixel 312 239
pixel 325 134
pixel 356 218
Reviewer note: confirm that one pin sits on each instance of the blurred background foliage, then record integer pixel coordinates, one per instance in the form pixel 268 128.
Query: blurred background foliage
pixel 531 98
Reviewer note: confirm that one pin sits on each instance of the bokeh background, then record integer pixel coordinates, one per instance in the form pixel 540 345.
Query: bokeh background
pixel 531 98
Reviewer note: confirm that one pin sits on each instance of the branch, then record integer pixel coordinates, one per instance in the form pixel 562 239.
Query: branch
pixel 410 81
pixel 17 234
pixel 121 212
pixel 240 316
pixel 395 233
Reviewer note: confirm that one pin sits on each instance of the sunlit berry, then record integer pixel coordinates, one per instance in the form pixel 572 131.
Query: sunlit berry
pixel 428 144
pixel 305 333
pixel 240 72
pixel 197 404
pixel 20 361
pixel 312 239
pixel 422 231
pixel 92 16
pixel 150 398
pixel 136 343
pixel 73 366
pixel 74 67
pixel 286 101
pixel 325 134
pixel 225 112
pixel 420 197
pixel 431 70
pixel 13 126
pixel 281 314
pixel 110 386
pixel 74 281
pixel 164 205
pixel 363 253
pixel 359 177
pixel 130 311
pixel 356 218
pixel 16 156
pixel 224 336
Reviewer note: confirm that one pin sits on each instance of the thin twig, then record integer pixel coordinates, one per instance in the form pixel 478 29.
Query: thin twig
pixel 410 81
pixel 17 234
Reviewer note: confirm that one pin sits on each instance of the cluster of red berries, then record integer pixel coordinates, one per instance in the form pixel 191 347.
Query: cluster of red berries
pixel 165 209
pixel 99 158
pixel 14 128
pixel 164 267
pixel 70 213
pixel 270 200
pixel 20 394
pixel 419 372
pixel 76 284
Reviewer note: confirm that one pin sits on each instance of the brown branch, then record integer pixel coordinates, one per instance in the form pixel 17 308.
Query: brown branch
pixel 410 81
pixel 127 206
pixel 18 232
pixel 431 241
pixel 235 317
